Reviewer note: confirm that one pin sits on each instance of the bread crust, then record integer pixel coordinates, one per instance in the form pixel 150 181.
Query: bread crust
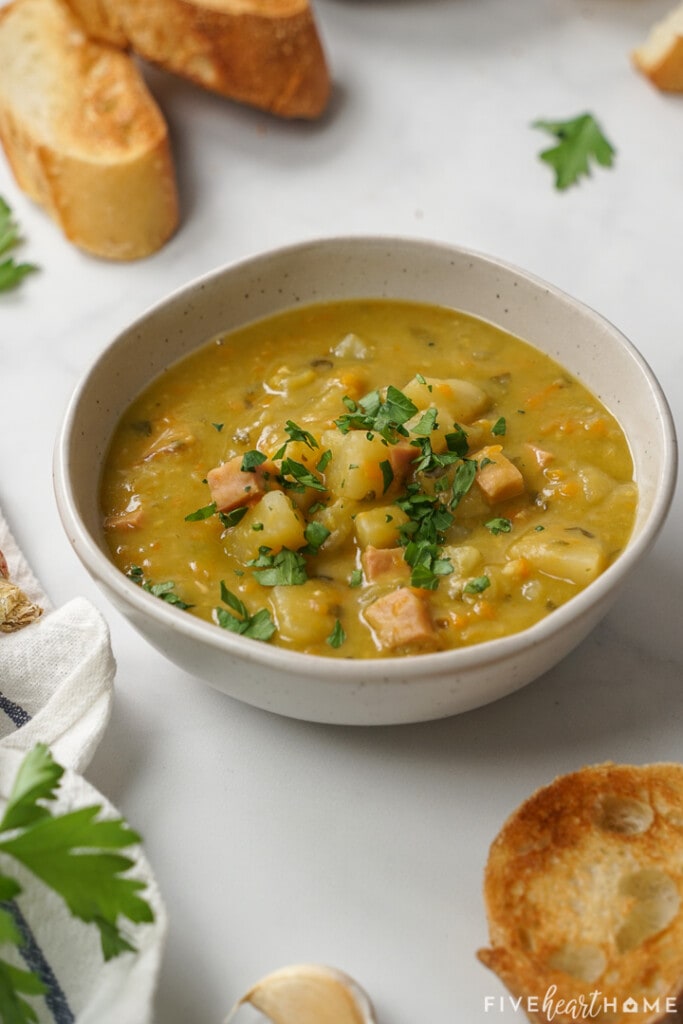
pixel 266 53
pixel 83 135
pixel 584 893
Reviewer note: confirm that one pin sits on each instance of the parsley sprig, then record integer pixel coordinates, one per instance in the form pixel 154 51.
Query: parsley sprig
pixel 78 855
pixel 165 590
pixel 580 141
pixel 11 272
pixel 237 619
pixel 377 415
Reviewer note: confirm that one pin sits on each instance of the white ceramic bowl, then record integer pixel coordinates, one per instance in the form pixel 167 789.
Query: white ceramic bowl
pixel 383 691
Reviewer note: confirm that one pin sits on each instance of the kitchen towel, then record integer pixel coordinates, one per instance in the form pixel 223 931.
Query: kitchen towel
pixel 56 674
pixel 56 688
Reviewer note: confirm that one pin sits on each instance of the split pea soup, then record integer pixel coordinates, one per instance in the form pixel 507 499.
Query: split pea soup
pixel 366 479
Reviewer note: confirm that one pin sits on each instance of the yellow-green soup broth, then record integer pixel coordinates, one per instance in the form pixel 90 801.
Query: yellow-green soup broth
pixel 367 479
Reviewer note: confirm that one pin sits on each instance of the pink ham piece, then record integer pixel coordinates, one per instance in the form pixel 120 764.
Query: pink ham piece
pixel 401 619
pixel 231 486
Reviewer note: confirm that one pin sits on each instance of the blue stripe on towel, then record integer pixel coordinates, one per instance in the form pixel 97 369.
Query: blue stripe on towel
pixel 36 962
pixel 15 712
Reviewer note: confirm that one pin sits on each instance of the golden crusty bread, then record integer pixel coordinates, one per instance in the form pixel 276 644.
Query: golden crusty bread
pixel 661 55
pixel 82 133
pixel 266 53
pixel 583 891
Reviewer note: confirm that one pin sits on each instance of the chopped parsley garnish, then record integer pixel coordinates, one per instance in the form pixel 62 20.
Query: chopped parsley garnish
pixel 499 427
pixel 295 433
pixel 426 564
pixel 385 417
pixel 252 459
pixel 498 525
pixel 285 569
pixel 316 534
pixel 387 475
pixel 11 272
pixel 356 578
pixel 580 140
pixel 323 461
pixel 237 618
pixel 477 586
pixel 218 426
pixel 233 517
pixel 463 480
pixel 202 513
pixel 337 636
pixel 165 591
pixel 302 477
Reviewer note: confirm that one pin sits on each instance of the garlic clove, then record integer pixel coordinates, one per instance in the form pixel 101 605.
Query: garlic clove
pixel 308 994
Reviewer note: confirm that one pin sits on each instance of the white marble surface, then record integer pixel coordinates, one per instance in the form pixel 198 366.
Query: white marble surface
pixel 276 841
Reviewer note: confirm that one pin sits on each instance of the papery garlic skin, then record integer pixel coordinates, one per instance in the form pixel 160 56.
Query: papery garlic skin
pixel 308 994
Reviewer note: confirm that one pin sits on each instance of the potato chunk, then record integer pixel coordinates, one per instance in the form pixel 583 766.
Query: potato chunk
pixel 306 614
pixel 457 400
pixel 354 471
pixel 274 523
pixel 568 553
pixel 380 526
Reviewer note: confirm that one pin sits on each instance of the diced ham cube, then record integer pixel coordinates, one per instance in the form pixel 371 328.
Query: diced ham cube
pixel 230 486
pixel 384 563
pixel 498 479
pixel 401 619
pixel 401 457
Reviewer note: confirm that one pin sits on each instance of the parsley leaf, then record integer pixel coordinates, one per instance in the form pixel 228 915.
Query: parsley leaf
pixel 77 854
pixel 302 477
pixel 201 513
pixel 426 564
pixel 385 417
pixel 477 586
pixel 11 272
pixel 295 433
pixel 237 618
pixel 498 525
pixel 252 459
pixel 580 140
pixel 165 590
pixel 337 636
pixel 285 569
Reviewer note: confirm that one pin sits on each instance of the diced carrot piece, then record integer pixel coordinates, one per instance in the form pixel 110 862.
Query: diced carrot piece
pixel 230 486
pixel 381 563
pixel 400 619
pixel 498 479
pixel 125 520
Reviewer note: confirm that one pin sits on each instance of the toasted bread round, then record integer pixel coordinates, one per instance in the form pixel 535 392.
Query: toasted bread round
pixel 584 896
pixel 82 133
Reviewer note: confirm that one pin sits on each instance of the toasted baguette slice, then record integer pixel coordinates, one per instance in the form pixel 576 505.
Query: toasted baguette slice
pixel 661 55
pixel 266 53
pixel 583 890
pixel 82 134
